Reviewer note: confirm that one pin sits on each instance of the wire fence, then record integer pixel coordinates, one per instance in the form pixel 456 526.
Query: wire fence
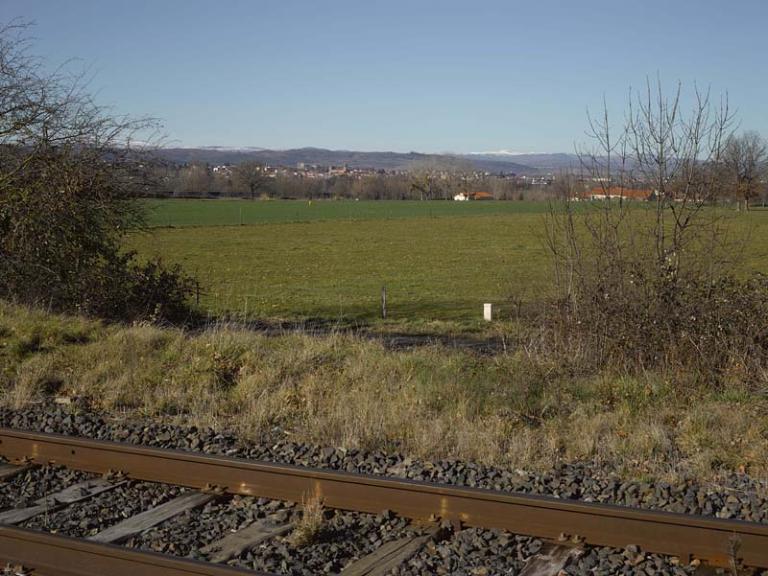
pixel 388 301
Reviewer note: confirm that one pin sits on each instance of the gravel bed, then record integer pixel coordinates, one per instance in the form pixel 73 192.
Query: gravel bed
pixel 737 496
pixel 186 534
pixel 472 552
pixel 479 552
pixel 631 562
pixel 23 489
pixel 91 516
pixel 345 537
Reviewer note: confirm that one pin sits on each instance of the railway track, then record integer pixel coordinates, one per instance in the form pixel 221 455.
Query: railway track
pixel 418 515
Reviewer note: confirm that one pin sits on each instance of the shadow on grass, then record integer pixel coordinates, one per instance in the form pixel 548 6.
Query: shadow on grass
pixel 365 321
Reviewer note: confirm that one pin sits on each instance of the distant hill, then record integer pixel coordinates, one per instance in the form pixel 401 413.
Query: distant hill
pixel 544 163
pixel 354 159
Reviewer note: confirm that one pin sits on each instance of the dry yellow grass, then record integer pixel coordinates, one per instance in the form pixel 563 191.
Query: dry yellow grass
pixel 310 525
pixel 513 409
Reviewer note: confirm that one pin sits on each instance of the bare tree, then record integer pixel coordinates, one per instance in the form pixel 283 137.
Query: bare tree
pixel 424 177
pixel 744 160
pixel 676 153
pixel 196 179
pixel 437 178
pixel 635 277
pixel 249 176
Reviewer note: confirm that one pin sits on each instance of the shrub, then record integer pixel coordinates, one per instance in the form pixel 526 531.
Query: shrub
pixel 69 181
pixel 653 284
pixel 711 327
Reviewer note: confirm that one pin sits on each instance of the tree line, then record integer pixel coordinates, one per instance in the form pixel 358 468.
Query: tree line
pixel 251 180
pixel 741 168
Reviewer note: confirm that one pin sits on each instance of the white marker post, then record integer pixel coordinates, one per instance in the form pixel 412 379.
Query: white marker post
pixel 487 311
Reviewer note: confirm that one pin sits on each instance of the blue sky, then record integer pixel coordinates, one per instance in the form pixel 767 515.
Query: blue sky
pixel 431 76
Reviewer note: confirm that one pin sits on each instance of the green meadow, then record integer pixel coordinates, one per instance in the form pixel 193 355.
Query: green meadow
pixel 439 261
pixel 234 212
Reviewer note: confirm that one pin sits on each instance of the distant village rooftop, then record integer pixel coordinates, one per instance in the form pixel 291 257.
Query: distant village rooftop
pixel 464 196
pixel 616 192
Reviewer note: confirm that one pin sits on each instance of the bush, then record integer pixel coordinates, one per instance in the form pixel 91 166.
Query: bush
pixel 62 222
pixel 69 181
pixel 711 328
pixel 654 284
pixel 127 289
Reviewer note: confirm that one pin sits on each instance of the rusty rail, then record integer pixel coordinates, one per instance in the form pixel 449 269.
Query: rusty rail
pixel 54 555
pixel 710 540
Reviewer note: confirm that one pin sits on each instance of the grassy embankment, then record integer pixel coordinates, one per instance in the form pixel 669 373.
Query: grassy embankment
pixel 516 409
pixel 522 408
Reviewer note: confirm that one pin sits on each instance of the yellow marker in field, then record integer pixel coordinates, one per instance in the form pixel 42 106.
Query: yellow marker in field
pixel 309 203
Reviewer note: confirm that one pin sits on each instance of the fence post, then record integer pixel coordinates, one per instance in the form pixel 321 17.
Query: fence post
pixel 384 301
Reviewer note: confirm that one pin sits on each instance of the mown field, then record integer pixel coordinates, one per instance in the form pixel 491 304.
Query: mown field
pixel 441 267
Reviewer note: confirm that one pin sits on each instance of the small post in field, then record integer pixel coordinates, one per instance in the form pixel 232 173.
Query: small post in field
pixel 241 216
pixel 487 311
pixel 384 301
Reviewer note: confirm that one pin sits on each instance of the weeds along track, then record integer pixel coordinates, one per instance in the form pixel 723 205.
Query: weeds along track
pixel 75 506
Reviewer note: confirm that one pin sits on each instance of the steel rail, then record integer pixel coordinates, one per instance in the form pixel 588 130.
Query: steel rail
pixel 711 540
pixel 54 555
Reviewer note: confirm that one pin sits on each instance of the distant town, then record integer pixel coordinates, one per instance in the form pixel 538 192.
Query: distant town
pixel 428 179
pixel 449 179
